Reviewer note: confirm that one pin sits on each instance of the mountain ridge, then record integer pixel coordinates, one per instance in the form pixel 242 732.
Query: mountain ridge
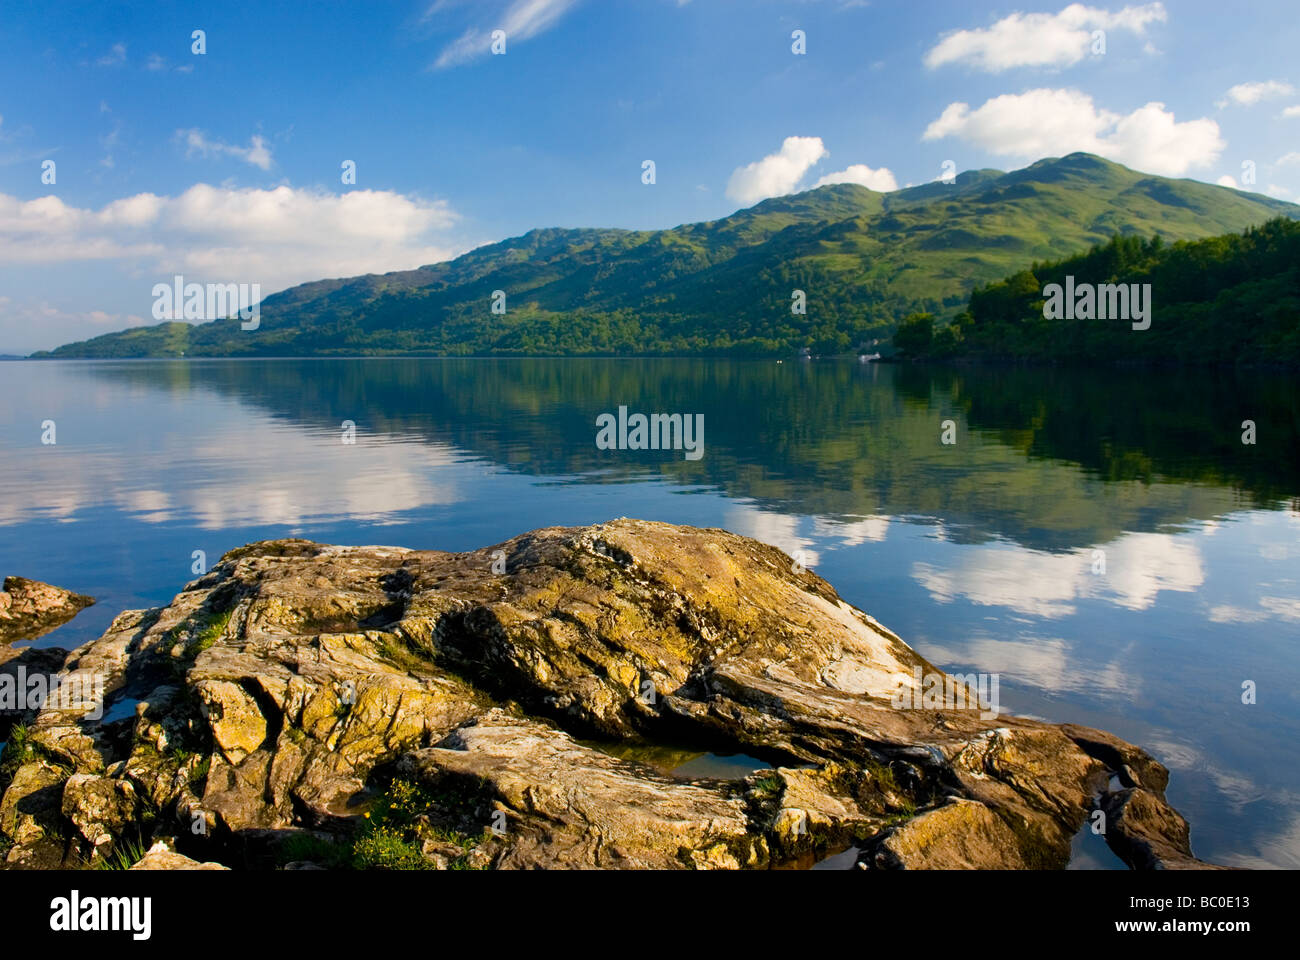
pixel 723 287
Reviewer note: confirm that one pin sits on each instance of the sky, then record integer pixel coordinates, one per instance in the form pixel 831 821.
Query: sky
pixel 127 156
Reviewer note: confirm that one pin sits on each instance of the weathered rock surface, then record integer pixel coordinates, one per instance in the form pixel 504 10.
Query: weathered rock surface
pixel 1148 834
pixel 317 705
pixel 161 857
pixel 30 609
pixel 99 807
pixel 962 834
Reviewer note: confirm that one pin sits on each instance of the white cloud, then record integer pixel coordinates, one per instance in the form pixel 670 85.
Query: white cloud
pixel 1274 190
pixel 1047 122
pixel 157 63
pixel 116 55
pixel 1227 613
pixel 522 20
pixel 1237 790
pixel 881 180
pixel 1040 39
pixel 1289 158
pixel 276 237
pixel 778 173
pixel 1284 608
pixel 1138 567
pixel 197 142
pixel 20 319
pixel 1248 94
pixel 1043 662
pixel 1227 180
pixel 1291 112
pixel 777 529
pixel 275 480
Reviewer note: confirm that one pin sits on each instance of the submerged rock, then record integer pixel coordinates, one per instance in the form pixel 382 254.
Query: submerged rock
pixel 374 706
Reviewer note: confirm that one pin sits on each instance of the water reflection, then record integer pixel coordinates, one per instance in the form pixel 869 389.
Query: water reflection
pixel 1102 540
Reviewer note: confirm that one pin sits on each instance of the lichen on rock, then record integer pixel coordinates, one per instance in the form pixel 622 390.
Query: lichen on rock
pixel 383 707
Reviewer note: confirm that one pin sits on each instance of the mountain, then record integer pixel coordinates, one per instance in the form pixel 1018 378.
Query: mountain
pixel 864 259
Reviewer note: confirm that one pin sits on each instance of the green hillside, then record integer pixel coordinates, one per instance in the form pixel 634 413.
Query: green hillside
pixel 1233 298
pixel 864 259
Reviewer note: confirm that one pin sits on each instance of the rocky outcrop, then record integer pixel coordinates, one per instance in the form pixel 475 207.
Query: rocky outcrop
pixel 31 609
pixel 379 707
pixel 1147 833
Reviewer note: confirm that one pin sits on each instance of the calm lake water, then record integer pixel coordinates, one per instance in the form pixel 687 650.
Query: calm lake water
pixel 982 554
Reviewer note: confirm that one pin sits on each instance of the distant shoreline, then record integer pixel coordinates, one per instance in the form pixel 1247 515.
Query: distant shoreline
pixel 958 362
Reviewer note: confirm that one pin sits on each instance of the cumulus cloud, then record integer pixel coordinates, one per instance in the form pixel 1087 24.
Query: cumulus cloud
pixel 1139 566
pixel 1227 180
pixel 1291 113
pixel 197 143
pixel 1249 94
pixel 276 480
pixel 881 180
pixel 1048 663
pixel 522 20
pixel 778 529
pixel 777 173
pixel 1046 122
pixel 276 237
pixel 1039 39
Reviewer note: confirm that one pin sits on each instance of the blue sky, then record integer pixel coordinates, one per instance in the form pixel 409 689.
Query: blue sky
pixel 226 166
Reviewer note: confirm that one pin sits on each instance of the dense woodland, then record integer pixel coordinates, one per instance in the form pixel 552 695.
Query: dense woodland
pixel 1228 299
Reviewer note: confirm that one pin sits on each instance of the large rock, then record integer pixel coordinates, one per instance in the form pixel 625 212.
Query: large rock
pixel 30 609
pixel 281 695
